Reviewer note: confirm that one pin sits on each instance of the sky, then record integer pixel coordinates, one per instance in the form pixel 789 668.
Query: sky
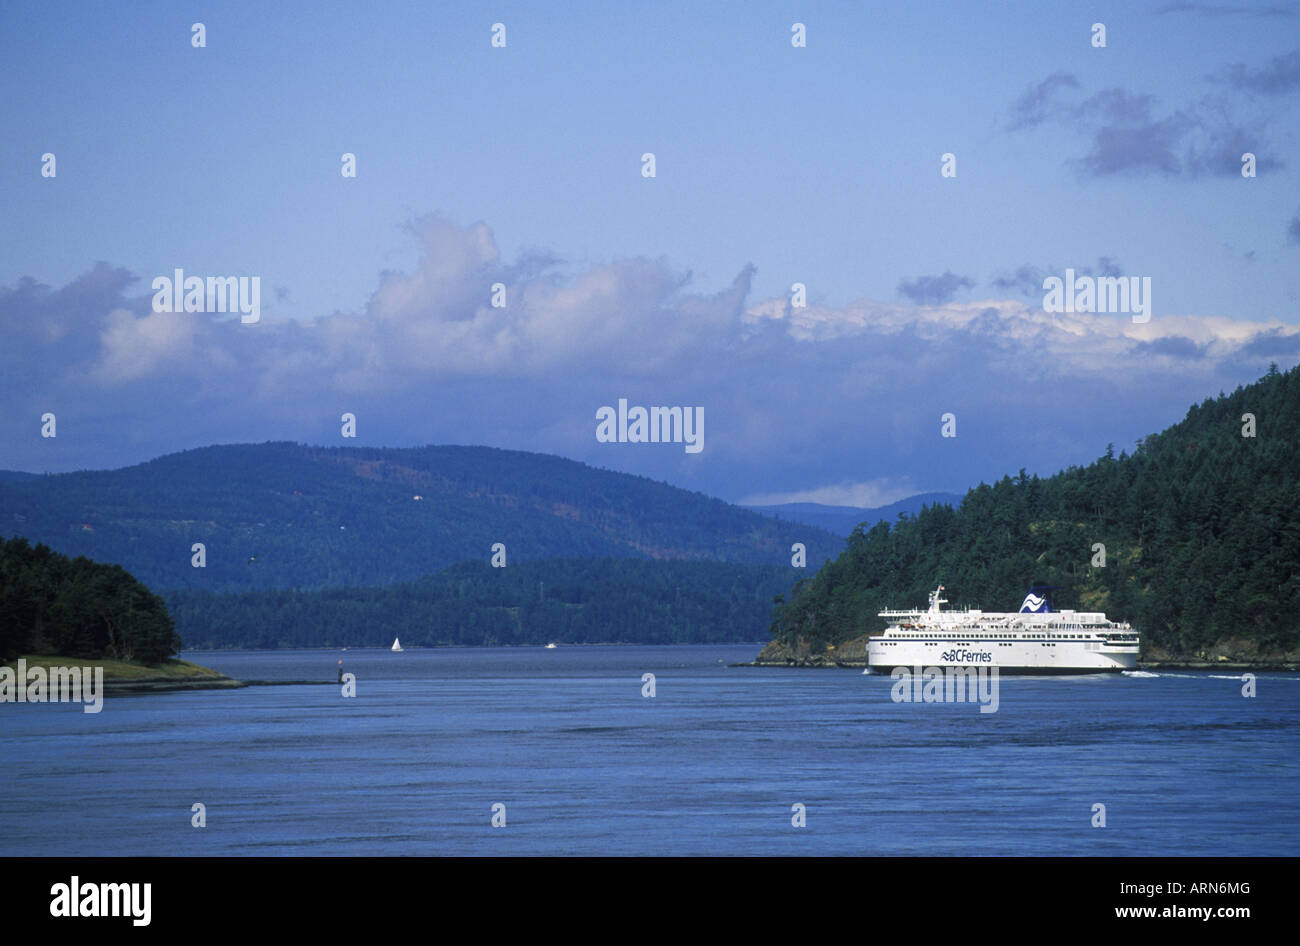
pixel 522 165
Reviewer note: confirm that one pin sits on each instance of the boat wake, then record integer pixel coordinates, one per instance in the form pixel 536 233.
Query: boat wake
pixel 1196 676
pixel 1218 676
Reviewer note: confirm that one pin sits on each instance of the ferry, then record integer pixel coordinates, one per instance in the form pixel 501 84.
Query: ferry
pixel 1035 639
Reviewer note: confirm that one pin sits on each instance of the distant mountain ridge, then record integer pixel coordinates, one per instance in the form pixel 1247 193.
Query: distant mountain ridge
pixel 842 520
pixel 282 515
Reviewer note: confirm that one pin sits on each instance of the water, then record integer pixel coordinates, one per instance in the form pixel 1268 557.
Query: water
pixel 711 765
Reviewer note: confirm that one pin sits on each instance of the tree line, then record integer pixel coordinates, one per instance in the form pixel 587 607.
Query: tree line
pixel 566 601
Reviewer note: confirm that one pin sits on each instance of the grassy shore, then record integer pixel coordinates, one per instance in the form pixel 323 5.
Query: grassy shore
pixel 121 676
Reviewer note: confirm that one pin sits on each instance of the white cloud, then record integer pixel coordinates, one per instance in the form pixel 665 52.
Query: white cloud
pixel 1025 333
pixel 865 495
pixel 133 348
pixel 634 318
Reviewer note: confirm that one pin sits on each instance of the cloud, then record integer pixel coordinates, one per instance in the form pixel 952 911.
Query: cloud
pixel 865 495
pixel 1141 146
pixel 1128 136
pixel 838 404
pixel 1105 267
pixel 50 334
pixel 1116 105
pixel 133 348
pixel 1175 346
pixel 935 290
pixel 1124 134
pixel 1273 342
pixel 1035 106
pixel 1218 152
pixel 438 321
pixel 1279 76
pixel 1026 281
pixel 1018 340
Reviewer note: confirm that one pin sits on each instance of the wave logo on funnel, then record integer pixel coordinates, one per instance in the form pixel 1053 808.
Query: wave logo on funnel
pixel 1035 605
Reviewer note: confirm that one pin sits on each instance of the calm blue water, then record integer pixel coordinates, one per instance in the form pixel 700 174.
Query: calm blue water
pixel 585 765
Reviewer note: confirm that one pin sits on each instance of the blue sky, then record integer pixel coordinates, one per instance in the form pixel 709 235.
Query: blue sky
pixel 775 165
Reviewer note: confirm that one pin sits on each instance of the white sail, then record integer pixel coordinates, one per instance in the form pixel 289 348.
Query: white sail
pixel 397 645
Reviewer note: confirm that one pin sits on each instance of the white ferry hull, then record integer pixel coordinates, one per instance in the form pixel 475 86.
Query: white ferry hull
pixel 1033 656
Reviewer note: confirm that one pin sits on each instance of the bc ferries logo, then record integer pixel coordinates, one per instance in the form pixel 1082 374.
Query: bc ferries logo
pixel 1035 605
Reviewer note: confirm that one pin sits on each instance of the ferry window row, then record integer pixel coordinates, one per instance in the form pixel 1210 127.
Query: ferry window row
pixel 950 636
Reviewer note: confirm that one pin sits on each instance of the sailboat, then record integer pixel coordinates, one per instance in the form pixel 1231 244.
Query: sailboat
pixel 397 646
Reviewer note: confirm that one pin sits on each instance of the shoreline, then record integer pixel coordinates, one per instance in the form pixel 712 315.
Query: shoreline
pixel 777 656
pixel 174 674
pixel 412 647
pixel 123 676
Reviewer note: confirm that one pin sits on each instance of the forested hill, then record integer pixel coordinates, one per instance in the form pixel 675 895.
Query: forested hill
pixel 566 601
pixel 280 515
pixel 50 604
pixel 1201 528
